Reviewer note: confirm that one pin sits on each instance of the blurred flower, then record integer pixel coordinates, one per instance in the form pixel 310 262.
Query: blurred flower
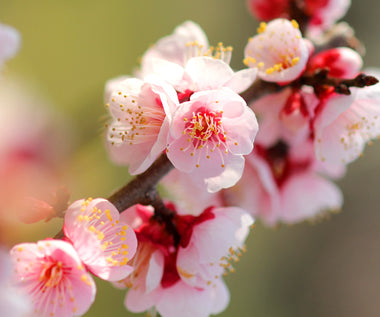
pixel 33 147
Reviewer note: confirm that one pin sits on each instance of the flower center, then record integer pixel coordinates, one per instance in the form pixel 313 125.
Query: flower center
pixel 52 274
pixel 204 127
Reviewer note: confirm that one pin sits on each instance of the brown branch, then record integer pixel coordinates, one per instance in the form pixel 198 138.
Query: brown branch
pixel 320 79
pixel 142 188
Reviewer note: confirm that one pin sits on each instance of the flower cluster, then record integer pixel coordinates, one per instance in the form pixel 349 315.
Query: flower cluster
pixel 184 102
pixel 186 109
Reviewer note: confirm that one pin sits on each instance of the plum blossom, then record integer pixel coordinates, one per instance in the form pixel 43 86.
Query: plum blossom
pixel 186 61
pixel 345 124
pixel 161 279
pixel 209 134
pixel 141 113
pixel 9 42
pixel 12 302
pixel 278 51
pixel 52 274
pixel 102 242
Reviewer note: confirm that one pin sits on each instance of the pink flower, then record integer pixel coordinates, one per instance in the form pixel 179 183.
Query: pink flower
pixel 185 60
pixel 103 243
pixel 278 51
pixel 160 278
pixel 345 124
pixel 209 136
pixel 52 274
pixel 9 42
pixel 12 302
pixel 141 113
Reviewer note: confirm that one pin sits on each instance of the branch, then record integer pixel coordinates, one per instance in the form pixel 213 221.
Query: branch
pixel 342 86
pixel 142 188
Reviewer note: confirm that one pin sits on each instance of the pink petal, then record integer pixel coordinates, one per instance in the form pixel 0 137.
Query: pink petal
pixel 155 271
pixel 306 195
pixel 208 73
pixel 185 301
pixel 242 80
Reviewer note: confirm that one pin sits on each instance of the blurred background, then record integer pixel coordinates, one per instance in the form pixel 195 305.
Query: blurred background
pixel 71 48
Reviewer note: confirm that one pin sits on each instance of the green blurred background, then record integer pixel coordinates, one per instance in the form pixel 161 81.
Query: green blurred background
pixel 70 48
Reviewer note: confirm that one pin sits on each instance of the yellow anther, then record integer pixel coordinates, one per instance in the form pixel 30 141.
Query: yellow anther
pixel 295 24
pixel 262 27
